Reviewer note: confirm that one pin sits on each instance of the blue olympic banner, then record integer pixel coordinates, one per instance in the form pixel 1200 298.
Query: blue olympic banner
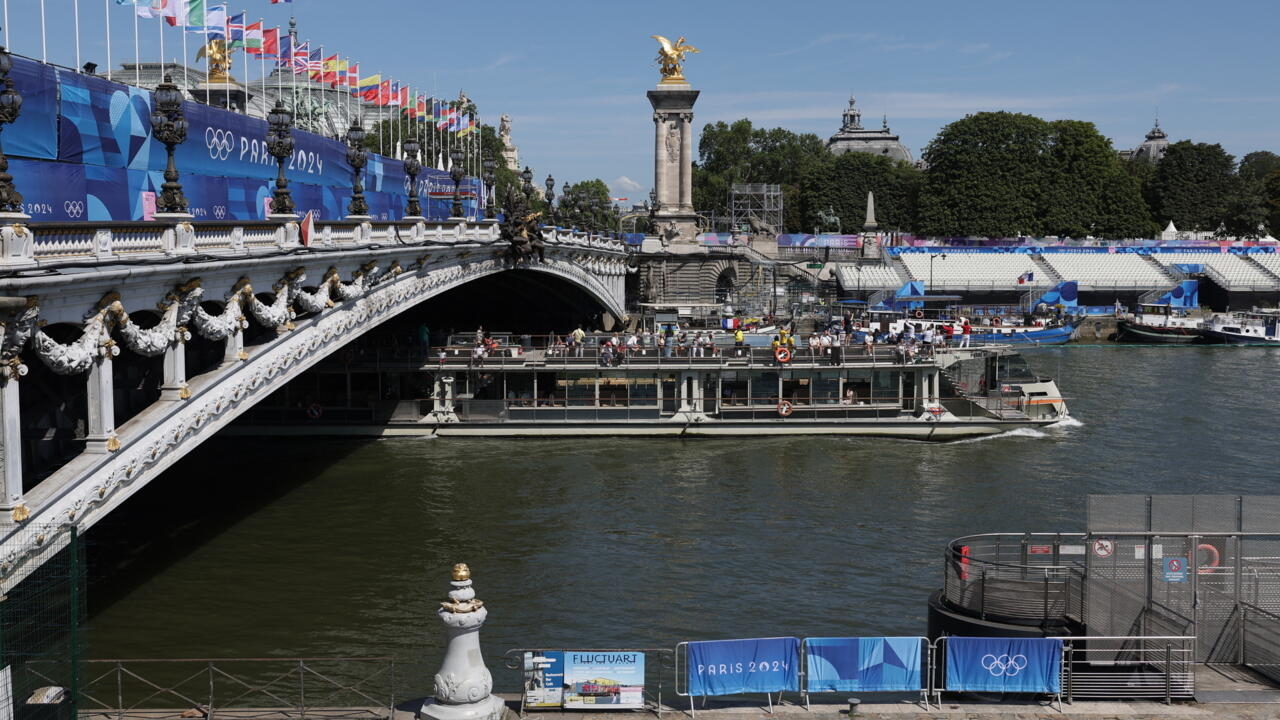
pixel 1030 665
pixel 871 664
pixel 35 133
pixel 728 667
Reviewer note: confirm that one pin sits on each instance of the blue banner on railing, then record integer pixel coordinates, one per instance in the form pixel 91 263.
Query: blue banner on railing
pixel 872 664
pixel 726 667
pixel 35 133
pixel 1030 665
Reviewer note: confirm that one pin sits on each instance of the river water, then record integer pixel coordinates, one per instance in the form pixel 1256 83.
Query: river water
pixel 279 548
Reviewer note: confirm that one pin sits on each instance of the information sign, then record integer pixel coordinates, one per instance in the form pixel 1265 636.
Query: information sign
pixel 543 679
pixel 1175 569
pixel 603 680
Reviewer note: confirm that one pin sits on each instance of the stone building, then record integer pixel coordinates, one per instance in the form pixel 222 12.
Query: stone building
pixel 852 137
pixel 1152 149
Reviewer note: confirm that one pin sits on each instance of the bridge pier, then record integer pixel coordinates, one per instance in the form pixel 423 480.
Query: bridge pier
pixel 101 437
pixel 10 442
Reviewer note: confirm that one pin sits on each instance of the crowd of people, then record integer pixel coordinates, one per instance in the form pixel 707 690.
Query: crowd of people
pixel 916 341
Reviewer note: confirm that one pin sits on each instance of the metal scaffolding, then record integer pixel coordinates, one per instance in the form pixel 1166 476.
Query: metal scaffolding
pixel 756 208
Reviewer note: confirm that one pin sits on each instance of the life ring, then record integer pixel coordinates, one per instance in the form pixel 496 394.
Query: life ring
pixel 782 355
pixel 314 411
pixel 1215 556
pixel 857 325
pixel 937 410
pixel 996 321
pixel 785 408
pixel 918 314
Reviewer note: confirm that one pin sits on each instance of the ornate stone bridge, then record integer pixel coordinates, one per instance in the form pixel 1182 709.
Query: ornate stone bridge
pixel 69 292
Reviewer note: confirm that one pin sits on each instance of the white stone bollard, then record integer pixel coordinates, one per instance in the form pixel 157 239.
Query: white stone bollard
pixel 463 686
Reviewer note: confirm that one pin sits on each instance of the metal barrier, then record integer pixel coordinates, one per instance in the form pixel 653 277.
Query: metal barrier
pixel 354 688
pixel 1130 667
pixel 926 673
pixel 937 670
pixel 677 654
pixel 1019 578
pixel 1260 640
pixel 513 659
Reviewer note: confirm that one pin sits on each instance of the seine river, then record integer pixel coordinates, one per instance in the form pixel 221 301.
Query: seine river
pixel 291 548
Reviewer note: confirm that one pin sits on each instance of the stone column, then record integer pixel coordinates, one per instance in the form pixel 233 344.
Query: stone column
pixel 102 403
pixel 463 686
pixel 659 160
pixel 10 442
pixel 686 161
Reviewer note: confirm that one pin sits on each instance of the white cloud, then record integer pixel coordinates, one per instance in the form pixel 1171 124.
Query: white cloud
pixel 624 184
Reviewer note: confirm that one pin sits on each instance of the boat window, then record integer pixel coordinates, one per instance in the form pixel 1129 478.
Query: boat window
pixel 796 390
pixel 613 389
pixel 519 388
pixel 884 386
pixel 764 388
pixel 826 387
pixel 578 389
pixel 643 391
pixel 1012 368
pixel 733 387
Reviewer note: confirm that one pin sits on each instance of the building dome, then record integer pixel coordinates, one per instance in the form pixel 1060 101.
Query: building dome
pixel 1155 146
pixel 852 137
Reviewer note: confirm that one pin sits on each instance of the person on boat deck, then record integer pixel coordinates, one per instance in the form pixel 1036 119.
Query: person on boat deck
pixel 663 348
pixel 815 345
pixel 739 340
pixel 868 343
pixel 480 335
pixel 965 331
pixel 849 395
pixel 926 340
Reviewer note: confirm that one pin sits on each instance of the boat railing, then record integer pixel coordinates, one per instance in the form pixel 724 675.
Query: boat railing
pixel 1030 577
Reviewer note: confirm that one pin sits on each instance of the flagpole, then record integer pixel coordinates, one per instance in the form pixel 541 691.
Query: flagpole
pixel 262 64
pixel 186 75
pixel 293 77
pixel 76 14
pixel 160 23
pixel 244 50
pixel 44 50
pixel 6 23
pixel 106 7
pixel 137 52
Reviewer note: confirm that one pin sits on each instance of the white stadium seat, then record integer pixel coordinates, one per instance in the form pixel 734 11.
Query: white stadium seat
pixel 1237 272
pixel 969 269
pixel 1119 270
pixel 873 276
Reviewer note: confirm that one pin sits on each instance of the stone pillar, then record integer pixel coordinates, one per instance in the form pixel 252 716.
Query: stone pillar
pixel 10 442
pixel 673 163
pixel 102 403
pixel 234 351
pixel 463 686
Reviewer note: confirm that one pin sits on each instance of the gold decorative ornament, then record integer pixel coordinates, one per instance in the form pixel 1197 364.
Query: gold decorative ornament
pixel 671 59
pixel 219 60
pixel 113 443
pixel 461 572
pixel 242 355
pixel 184 393
pixel 20 513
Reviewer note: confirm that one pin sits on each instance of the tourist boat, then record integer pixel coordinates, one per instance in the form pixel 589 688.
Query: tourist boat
pixel 1160 324
pixel 954 393
pixel 1252 327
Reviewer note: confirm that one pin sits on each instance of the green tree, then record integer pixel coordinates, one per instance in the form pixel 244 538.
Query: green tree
pixel 586 205
pixel 840 185
pixel 1087 189
pixel 1257 166
pixel 1271 193
pixel 740 153
pixel 984 176
pixel 1193 185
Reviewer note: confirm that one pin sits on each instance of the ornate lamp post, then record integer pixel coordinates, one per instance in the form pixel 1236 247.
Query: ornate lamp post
pixel 358 156
pixel 169 126
pixel 280 145
pixel 455 172
pixel 411 168
pixel 527 177
pixel 10 105
pixel 489 192
pixel 551 200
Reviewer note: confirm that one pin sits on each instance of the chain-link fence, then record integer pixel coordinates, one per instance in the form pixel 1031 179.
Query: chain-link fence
pixel 41 641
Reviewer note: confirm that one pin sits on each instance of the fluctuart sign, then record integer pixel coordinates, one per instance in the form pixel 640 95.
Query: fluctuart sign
pixel 727 667
pixel 603 680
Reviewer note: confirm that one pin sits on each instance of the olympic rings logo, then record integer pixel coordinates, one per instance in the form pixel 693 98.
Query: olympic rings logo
pixel 73 208
pixel 219 142
pixel 1004 665
pixel 219 211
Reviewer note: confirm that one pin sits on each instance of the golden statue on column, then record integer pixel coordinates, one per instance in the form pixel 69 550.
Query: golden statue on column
pixel 671 59
pixel 219 60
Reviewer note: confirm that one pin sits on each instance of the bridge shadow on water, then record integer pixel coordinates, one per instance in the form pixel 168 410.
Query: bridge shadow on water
pixel 205 493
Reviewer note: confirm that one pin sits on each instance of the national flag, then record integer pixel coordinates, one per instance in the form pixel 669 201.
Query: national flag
pixel 445 118
pixel 253 38
pixel 368 87
pixel 184 12
pixel 308 227
pixel 468 127
pixel 235 31
pixel 211 21
pixel 394 98
pixel 145 8
pixel 420 110
pixel 277 2
pixel 284 50
pixel 1026 277
pixel 403 100
pixel 353 75
pixel 336 74
pixel 271 43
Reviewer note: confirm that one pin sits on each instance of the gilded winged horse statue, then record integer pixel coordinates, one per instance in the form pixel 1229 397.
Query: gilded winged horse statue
pixel 671 59
pixel 219 60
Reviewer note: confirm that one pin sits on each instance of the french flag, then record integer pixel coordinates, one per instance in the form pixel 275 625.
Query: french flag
pixel 1026 277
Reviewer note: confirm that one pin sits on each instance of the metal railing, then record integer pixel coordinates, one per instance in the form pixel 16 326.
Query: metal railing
pixel 1157 667
pixel 335 688
pixel 1260 640
pixel 1023 578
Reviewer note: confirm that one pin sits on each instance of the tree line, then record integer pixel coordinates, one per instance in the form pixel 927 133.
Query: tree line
pixel 996 174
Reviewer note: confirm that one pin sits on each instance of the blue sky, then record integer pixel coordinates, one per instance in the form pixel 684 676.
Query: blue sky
pixel 573 74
